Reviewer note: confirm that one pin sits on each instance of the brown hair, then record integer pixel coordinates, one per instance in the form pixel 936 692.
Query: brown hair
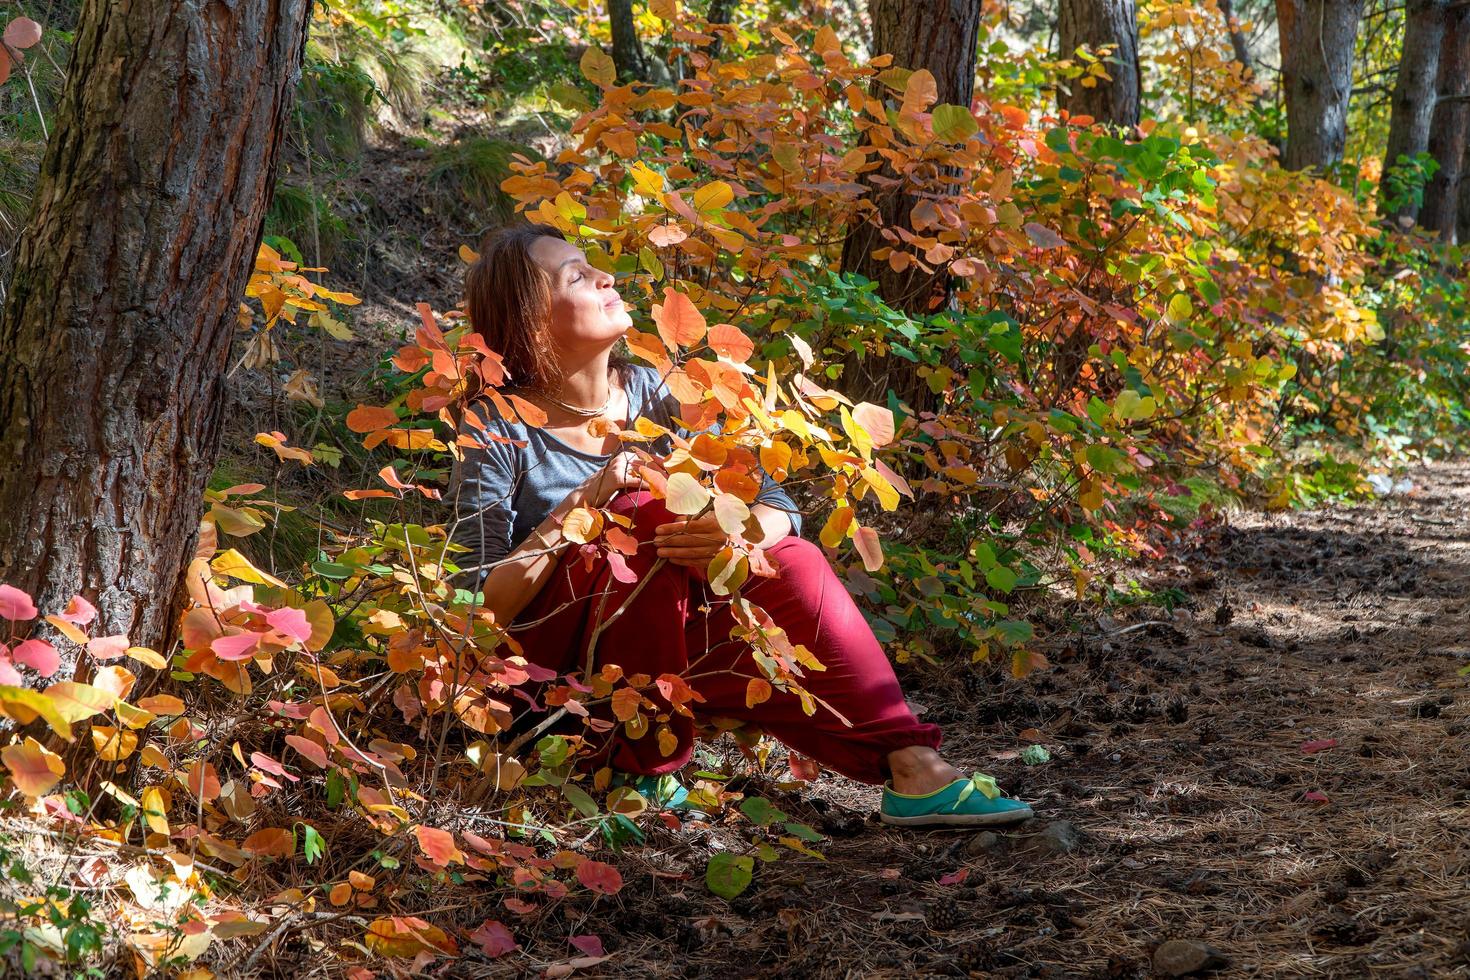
pixel 508 298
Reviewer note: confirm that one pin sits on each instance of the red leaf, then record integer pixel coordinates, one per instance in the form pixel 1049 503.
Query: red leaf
pixel 599 877
pixel 494 939
pixel 38 654
pixel 22 33
pixel 1316 797
pixel 956 877
pixel 439 846
pixel 1319 745
pixel 588 944
pixel 803 768
pixel 79 612
pixel 107 647
pixel 308 748
pixel 15 604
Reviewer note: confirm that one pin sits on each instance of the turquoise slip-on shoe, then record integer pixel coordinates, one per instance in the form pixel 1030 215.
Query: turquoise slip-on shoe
pixel 662 792
pixel 973 802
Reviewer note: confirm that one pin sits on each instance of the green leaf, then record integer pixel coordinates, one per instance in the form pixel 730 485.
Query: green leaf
pixel 1002 578
pixel 312 845
pixel 802 831
pixel 760 812
pixel 1180 309
pixel 954 123
pixel 727 875
pixel 1013 632
pixel 579 799
pixel 552 750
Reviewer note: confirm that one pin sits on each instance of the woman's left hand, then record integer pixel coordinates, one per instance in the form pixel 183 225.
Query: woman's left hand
pixel 691 543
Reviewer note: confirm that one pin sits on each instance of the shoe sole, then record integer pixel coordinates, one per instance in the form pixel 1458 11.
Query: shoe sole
pixel 958 819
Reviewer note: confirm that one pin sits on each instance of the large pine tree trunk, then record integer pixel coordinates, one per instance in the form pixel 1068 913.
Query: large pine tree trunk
pixel 1096 23
pixel 1237 36
pixel 115 340
pixel 1413 92
pixel 943 41
pixel 1317 38
pixel 1449 125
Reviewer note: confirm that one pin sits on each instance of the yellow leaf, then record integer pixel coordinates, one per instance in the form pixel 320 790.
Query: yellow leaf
pixel 582 525
pixel 713 196
pixel 147 657
pixel 598 67
pixel 647 181
pixel 236 565
pixel 25 705
pixel 155 810
pixel 686 495
pixel 78 702
pixel 836 527
pixel 113 744
pixel 33 768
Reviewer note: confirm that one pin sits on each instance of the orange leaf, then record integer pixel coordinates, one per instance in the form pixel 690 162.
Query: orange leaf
pixel 33 768
pixel 731 341
pixel 866 540
pixel 370 418
pixel 438 845
pixel 758 691
pixel 529 413
pixel 270 842
pixel 625 702
pixel 203 781
pixel 679 323
pixel 308 748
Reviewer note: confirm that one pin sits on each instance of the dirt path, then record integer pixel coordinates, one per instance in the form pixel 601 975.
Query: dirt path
pixel 1279 771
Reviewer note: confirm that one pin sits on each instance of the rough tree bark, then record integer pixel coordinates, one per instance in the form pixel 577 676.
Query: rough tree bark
pixel 628 57
pixel 1095 23
pixel 115 339
pixel 943 41
pixel 1413 92
pixel 1317 38
pixel 1449 125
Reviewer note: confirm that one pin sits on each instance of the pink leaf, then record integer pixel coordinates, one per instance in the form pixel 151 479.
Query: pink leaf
pixel 1042 236
pixel 108 647
pixel 588 944
pixel 240 646
pixel 15 604
pixel 263 761
pixel 8 673
pixel 1316 797
pixel 955 877
pixel 38 654
pixel 292 622
pixel 308 748
pixel 619 567
pixel 494 939
pixel 22 33
pixel 599 877
pixel 1319 745
pixel 79 612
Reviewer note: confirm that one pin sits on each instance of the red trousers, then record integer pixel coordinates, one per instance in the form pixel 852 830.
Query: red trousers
pixel 676 622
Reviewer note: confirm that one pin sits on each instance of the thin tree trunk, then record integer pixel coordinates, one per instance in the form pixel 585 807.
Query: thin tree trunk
pixel 1237 36
pixel 115 340
pixel 943 41
pixel 1449 126
pixel 1317 39
pixel 1096 23
pixel 1413 92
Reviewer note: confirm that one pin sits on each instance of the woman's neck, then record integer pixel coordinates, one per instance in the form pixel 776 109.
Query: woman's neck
pixel 586 384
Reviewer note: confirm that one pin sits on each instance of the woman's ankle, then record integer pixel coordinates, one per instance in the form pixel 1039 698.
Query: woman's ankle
pixel 917 770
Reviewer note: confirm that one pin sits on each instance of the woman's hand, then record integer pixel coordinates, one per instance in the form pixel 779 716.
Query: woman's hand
pixel 619 473
pixel 691 543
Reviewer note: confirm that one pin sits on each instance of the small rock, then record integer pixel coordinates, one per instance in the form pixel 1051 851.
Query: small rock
pixel 1057 837
pixel 984 842
pixel 1184 957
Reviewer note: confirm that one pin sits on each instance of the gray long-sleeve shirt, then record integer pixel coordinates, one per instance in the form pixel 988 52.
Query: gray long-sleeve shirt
pixel 502 492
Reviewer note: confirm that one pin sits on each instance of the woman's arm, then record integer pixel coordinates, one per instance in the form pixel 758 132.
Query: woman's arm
pixel 519 577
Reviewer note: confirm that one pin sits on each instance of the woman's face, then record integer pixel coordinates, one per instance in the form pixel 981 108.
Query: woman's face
pixel 586 311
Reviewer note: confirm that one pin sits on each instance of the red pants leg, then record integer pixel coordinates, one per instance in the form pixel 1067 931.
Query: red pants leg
pixel 811 604
pixel 664 629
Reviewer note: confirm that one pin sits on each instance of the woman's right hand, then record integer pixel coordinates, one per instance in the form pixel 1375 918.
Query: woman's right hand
pixel 619 473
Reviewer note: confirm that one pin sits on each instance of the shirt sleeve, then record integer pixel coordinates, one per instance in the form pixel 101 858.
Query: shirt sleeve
pixel 483 491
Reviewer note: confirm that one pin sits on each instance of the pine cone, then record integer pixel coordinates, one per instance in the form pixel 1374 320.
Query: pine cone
pixel 943 916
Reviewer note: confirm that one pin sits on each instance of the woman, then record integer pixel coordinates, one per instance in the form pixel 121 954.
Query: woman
pixel 555 320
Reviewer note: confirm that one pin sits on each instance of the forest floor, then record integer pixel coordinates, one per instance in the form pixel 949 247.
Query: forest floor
pixel 1276 769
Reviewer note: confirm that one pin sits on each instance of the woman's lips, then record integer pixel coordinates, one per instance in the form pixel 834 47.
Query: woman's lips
pixel 614 304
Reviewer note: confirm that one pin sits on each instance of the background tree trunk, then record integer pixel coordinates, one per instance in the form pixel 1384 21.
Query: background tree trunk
pixel 1237 36
pixel 943 41
pixel 1317 39
pixel 1449 125
pixel 115 340
pixel 1413 92
pixel 627 52
pixel 1095 23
